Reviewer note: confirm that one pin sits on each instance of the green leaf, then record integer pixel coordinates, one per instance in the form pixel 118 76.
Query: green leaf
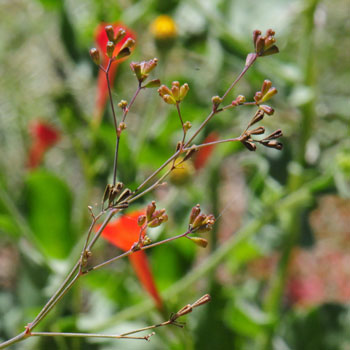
pixel 49 205
pixel 8 225
pixel 246 318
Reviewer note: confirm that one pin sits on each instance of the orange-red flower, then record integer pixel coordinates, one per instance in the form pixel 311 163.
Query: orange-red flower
pixel 204 153
pixel 101 41
pixel 44 136
pixel 123 233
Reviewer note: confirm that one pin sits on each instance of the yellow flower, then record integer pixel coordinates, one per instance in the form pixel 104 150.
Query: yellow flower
pixel 164 27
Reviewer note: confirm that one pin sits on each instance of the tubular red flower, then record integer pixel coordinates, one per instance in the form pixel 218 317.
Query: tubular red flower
pixel 101 41
pixel 204 153
pixel 123 233
pixel 44 136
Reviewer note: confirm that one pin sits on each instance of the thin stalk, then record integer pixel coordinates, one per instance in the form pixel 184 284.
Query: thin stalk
pixel 155 173
pixel 55 296
pixel 246 67
pixel 85 335
pixel 110 94
pixel 54 302
pixel 130 251
pixel 126 111
pixel 14 340
pixel 181 120
pixel 214 143
pixel 151 187
pixel 147 328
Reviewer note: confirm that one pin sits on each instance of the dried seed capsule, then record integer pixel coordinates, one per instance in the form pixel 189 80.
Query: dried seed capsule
pixel 125 52
pixel 194 213
pixel 249 145
pixel 258 131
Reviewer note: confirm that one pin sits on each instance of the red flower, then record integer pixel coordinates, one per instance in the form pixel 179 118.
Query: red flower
pixel 123 233
pixel 44 136
pixel 101 41
pixel 203 155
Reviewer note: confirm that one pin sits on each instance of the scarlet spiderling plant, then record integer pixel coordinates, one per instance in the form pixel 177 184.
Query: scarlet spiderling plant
pixel 118 197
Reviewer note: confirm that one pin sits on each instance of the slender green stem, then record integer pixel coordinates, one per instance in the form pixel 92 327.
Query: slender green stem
pixel 85 335
pixel 126 111
pixel 155 173
pixel 181 120
pixel 147 328
pixel 129 252
pixel 110 94
pixel 55 301
pixel 14 340
pixel 54 297
pixel 152 187
pixel 214 143
pixel 246 67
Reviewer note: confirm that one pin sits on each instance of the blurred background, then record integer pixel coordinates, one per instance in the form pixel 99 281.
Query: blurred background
pixel 278 261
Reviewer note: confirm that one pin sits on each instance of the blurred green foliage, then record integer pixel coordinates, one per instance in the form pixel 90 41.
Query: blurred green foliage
pixel 264 199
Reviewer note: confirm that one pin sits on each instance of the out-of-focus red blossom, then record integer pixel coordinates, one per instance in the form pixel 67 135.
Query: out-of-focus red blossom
pixel 123 233
pixel 44 136
pixel 319 275
pixel 203 155
pixel 101 41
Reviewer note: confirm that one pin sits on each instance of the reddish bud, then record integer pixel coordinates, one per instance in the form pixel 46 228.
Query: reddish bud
pixel 141 220
pixel 120 35
pixel 199 220
pixel 267 109
pixel 194 213
pixel 110 49
pixel 95 56
pixel 258 97
pixel 110 32
pixel 266 86
pixel 256 34
pixel 150 210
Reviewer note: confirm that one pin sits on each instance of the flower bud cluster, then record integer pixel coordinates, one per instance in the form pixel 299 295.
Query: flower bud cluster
pixel 200 222
pixel 113 40
pixel 264 45
pixel 174 95
pixel 153 217
pixel 266 92
pixel 142 70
